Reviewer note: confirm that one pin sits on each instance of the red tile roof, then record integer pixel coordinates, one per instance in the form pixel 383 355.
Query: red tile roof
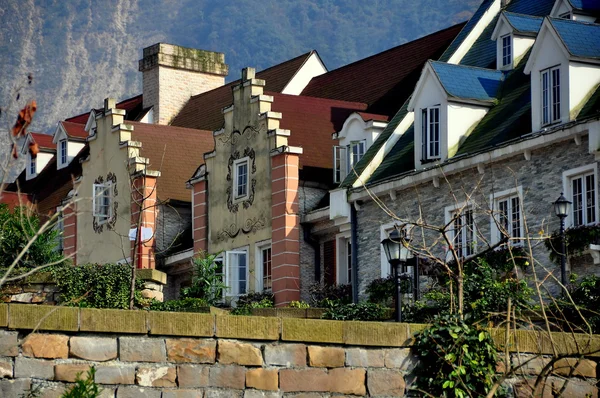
pixel 44 141
pixel 203 111
pixel 174 151
pixel 311 122
pixel 130 105
pixel 372 116
pixel 75 130
pixel 384 81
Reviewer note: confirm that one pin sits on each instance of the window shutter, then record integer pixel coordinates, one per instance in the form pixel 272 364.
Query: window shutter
pixel 329 262
pixel 424 134
pixel 339 163
pixel 95 201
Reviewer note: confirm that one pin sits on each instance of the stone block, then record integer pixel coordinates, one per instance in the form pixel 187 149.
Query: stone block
pixel 574 367
pixel 315 313
pixel 326 357
pixel 93 348
pixel 9 344
pixel 38 298
pixel 152 294
pixel 46 346
pixel 33 288
pixel 43 317
pixel 107 392
pixel 552 385
pixel 113 321
pixel 261 394
pixel 3 315
pixel 384 382
pixel 529 364
pixel 288 355
pixel 365 358
pixel 50 390
pixel 236 353
pixel 70 371
pixel 400 358
pixel 192 376
pixel 262 379
pixel 14 388
pixel 216 393
pixel 156 376
pixel 22 298
pixel 182 393
pixel 6 368
pixel 137 392
pixel 181 324
pixel 152 275
pixel 386 334
pixel 301 380
pixel 142 349
pixel 347 381
pixel 312 330
pixel 28 367
pixel 115 374
pixel 227 377
pixel 191 350
pixel 247 327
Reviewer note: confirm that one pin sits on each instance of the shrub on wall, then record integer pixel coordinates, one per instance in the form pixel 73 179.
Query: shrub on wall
pixel 456 359
pixel 580 314
pixel 95 285
pixel 319 294
pixel 183 305
pixel 246 302
pixel 363 311
pixel 207 279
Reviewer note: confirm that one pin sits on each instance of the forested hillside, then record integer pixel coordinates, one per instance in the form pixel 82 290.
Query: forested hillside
pixel 81 51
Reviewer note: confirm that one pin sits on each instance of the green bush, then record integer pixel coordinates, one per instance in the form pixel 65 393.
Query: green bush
pixel 188 304
pixel 586 298
pixel 320 294
pixel 95 285
pixel 577 239
pixel 382 291
pixel 298 304
pixel 207 279
pixel 84 388
pixel 455 359
pixel 246 302
pixel 363 311
pixel 16 230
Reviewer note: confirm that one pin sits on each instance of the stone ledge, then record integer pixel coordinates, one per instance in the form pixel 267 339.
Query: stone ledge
pixel 113 321
pixel 43 317
pixel 247 327
pixel 151 275
pixel 181 324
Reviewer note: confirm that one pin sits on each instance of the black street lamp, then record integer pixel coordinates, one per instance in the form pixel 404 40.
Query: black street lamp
pixel 561 208
pixel 397 252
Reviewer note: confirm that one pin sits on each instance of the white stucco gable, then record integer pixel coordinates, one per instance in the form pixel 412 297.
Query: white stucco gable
pixel 66 147
pixel 312 67
pixel 564 9
pixel 519 43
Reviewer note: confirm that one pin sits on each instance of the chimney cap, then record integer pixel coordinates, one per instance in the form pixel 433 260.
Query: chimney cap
pixel 184 58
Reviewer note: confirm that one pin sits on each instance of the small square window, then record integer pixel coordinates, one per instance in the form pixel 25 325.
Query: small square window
pixel 463 230
pixel 582 192
pixel 240 180
pixel 507 217
pixel 506 50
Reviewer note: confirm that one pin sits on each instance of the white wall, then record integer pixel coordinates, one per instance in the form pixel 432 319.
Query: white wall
pixel 356 129
pixel 311 68
pixel 550 54
pixel 504 30
pixel 42 161
pixel 583 78
pixel 461 118
pixel 521 44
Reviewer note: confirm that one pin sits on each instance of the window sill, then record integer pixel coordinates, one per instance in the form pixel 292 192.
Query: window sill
pixel 425 161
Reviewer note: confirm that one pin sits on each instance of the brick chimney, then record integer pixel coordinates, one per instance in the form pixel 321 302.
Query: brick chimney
pixel 172 74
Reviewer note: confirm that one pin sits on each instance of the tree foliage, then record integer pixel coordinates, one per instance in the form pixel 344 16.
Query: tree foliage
pixel 207 279
pixel 17 228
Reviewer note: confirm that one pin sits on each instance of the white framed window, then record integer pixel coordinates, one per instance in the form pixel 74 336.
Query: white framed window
pixel 102 203
pixel 32 166
pixel 550 84
pixel 356 150
pixel 236 272
pixel 506 50
pixel 430 133
pixel 581 188
pixel 240 178
pixel 263 267
pixel 339 163
pixel 62 150
pixel 462 228
pixel 507 216
pixel 344 259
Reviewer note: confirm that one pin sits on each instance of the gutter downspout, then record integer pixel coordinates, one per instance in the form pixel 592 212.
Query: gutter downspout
pixel 354 254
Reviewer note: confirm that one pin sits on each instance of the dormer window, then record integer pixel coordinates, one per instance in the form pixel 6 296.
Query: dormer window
pixel 506 50
pixel 357 150
pixel 430 133
pixel 32 165
pixel 346 157
pixel 62 150
pixel 550 95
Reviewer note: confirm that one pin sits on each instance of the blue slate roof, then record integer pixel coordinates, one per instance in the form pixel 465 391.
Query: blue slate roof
pixel 525 24
pixel 581 39
pixel 585 5
pixel 467 82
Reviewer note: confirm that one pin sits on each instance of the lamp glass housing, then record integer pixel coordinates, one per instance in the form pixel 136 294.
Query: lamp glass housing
pixel 561 206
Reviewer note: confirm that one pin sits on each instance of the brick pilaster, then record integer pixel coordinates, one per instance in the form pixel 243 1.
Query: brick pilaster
pixel 144 194
pixel 200 221
pixel 285 226
pixel 69 214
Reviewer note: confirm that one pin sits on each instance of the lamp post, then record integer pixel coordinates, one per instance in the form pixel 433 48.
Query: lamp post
pixel 561 208
pixel 396 252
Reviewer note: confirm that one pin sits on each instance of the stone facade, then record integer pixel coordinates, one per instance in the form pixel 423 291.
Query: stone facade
pixel 242 357
pixel 541 182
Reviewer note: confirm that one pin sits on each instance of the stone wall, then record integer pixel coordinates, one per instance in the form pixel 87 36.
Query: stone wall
pixel 141 354
pixel 37 289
